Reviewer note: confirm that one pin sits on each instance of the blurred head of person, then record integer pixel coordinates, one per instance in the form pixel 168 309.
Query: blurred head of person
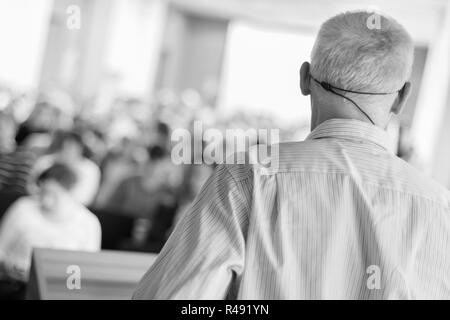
pixel 359 51
pixel 68 146
pixel 44 116
pixel 7 132
pixel 163 132
pixel 95 144
pixel 55 185
pixel 159 134
pixel 157 168
pixel 126 146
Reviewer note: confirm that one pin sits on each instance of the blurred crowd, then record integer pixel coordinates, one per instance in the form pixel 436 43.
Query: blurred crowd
pixel 111 169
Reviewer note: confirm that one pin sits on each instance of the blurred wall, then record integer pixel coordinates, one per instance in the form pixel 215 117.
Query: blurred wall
pixel 118 41
pixel 73 57
pixel 192 52
pixel 134 45
pixel 23 31
pixel 430 128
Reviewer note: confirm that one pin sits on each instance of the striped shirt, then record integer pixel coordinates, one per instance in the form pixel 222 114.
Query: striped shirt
pixel 15 169
pixel 340 218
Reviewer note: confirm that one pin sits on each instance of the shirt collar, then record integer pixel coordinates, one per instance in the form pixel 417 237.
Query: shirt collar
pixel 351 129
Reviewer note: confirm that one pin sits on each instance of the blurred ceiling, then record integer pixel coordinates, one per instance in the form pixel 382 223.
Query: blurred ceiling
pixel 422 18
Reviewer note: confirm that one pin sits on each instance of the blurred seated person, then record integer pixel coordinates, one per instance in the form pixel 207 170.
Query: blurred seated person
pixel 41 122
pixel 120 163
pixel 160 135
pixel 53 111
pixel 15 163
pixel 144 195
pixel 140 194
pixel 97 148
pixel 69 148
pixel 50 219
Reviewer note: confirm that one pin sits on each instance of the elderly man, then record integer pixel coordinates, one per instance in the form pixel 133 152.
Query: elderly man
pixel 341 217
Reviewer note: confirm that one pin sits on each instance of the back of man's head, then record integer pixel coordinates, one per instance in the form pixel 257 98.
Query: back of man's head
pixel 362 51
pixel 156 153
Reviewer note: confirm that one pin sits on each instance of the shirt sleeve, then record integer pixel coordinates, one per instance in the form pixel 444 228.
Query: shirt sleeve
pixel 206 251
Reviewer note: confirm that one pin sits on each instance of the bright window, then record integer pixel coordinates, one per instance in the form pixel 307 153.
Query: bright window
pixel 261 72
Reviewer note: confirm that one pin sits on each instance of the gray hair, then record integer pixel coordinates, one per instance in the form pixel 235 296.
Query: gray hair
pixel 351 54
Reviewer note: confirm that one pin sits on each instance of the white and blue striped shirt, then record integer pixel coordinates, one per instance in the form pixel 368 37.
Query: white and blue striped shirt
pixel 340 218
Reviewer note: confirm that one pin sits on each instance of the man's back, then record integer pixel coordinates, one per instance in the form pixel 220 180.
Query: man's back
pixel 343 218
pixel 338 217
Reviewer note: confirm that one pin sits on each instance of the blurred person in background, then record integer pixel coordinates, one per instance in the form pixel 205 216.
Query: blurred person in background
pixel 15 162
pixel 7 132
pixel 41 120
pixel 141 194
pixel 68 147
pixel 149 197
pixel 50 219
pixel 121 161
pixel 95 144
pixel 160 135
pixel 54 110
pixel 35 132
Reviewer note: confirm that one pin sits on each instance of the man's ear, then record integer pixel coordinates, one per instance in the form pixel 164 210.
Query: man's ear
pixel 305 79
pixel 402 97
